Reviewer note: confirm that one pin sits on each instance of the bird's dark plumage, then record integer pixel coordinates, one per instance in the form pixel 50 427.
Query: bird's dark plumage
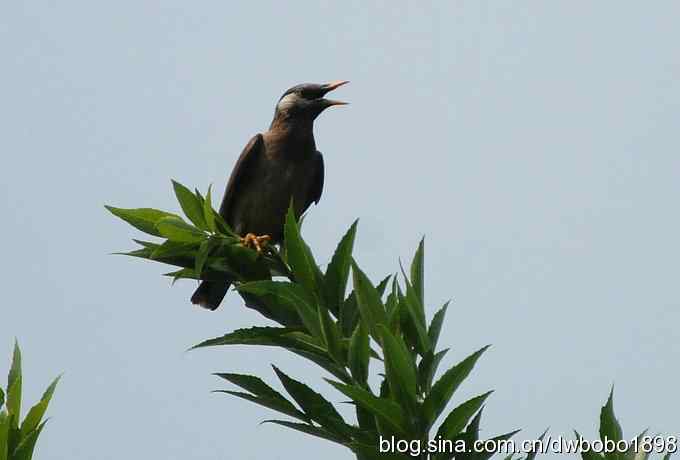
pixel 274 167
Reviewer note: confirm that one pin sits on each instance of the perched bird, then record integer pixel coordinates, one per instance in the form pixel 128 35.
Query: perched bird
pixel 274 167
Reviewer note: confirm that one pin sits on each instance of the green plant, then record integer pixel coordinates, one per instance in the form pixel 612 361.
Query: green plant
pixel 18 438
pixel 377 329
pixel 639 448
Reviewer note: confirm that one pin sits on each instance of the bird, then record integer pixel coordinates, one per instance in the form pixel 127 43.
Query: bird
pixel 275 167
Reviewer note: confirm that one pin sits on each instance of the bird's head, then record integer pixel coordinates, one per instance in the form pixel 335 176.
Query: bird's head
pixel 307 101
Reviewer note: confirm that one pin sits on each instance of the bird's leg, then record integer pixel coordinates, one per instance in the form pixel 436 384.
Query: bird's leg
pixel 254 241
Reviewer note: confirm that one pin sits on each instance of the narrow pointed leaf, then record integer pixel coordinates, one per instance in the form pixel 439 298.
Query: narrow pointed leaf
pixel 337 271
pixel 400 369
pixel 201 256
pixel 269 403
pixel 175 229
pixel 174 249
pixel 35 414
pixel 388 412
pixel 300 256
pixel 144 219
pixel 532 455
pixel 359 354
pixel 251 336
pixel 314 405
pixel 24 450
pixel 14 380
pixel 459 417
pixel 444 388
pixel 417 272
pixel 349 315
pixel 370 306
pixel 331 335
pixel 309 429
pixel 254 385
pixel 208 212
pixel 191 205
pixel 487 455
pixel 609 426
pixel 290 296
pixel 436 324
pixel 428 367
pixel 416 314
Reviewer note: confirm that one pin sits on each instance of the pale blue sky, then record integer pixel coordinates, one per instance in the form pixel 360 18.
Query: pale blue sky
pixel 534 143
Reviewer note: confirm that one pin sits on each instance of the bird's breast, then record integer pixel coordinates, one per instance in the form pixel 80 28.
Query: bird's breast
pixel 276 180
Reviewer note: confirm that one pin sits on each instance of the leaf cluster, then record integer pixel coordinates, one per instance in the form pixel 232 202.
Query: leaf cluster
pixel 378 329
pixel 18 437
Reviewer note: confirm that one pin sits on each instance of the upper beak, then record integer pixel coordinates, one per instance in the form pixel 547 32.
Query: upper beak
pixel 328 87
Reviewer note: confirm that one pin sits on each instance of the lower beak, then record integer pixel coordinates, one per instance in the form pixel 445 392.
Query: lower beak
pixel 330 102
pixel 328 87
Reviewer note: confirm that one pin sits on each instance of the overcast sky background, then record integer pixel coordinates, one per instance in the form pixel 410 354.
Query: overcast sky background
pixel 535 144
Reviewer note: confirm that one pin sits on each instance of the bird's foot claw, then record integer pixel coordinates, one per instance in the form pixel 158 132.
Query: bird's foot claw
pixel 256 242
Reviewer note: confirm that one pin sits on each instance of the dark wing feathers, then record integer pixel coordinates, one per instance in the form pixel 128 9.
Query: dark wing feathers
pixel 317 184
pixel 251 152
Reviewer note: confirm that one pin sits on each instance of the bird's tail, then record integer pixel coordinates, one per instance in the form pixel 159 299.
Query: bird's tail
pixel 209 294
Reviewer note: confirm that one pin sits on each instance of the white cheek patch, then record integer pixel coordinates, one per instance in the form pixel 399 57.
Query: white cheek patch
pixel 287 101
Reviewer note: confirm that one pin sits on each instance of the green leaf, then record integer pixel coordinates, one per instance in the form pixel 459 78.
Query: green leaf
pixel 370 306
pixel 417 272
pixel 428 367
pixel 4 431
pixel 268 336
pixel 191 205
pixel 359 354
pixel 171 249
pixel 444 388
pixel 290 296
pixel 204 250
pixel 337 271
pixel 208 212
pixel 309 429
pixel 458 418
pixel 2 398
pixel 300 256
pixel 144 219
pixel 263 394
pixel 588 455
pixel 284 337
pixel 400 369
pixel 24 450
pixel 436 325
pixel 532 455
pixel 349 315
pixel 14 385
pixel 175 229
pixel 35 414
pixel 388 412
pixel 417 316
pixel 609 426
pixel 487 455
pixel 470 435
pixel 184 273
pixel 314 405
pixel 331 335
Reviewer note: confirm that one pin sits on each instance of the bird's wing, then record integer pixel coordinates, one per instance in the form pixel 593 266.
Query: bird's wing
pixel 242 170
pixel 317 183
